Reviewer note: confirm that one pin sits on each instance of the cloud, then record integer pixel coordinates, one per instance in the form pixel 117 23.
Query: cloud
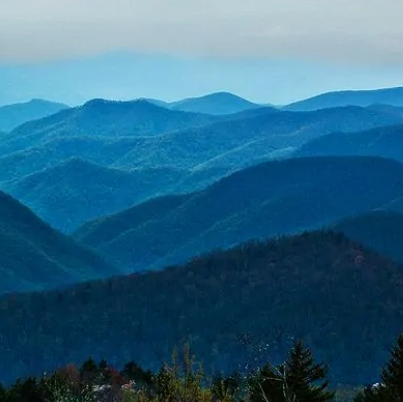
pixel 346 31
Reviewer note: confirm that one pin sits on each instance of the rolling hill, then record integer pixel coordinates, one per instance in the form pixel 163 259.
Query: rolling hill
pixel 384 141
pixel 381 231
pixel 259 202
pixel 35 257
pixel 102 118
pixel 343 300
pixel 219 103
pixel 209 152
pixel 12 116
pixel 388 96
pixel 258 137
pixel 97 150
pixel 71 193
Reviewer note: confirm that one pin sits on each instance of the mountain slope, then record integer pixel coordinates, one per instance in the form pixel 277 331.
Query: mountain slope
pixel 384 141
pixel 103 118
pixel 12 116
pixel 97 150
pixel 259 202
pixel 388 96
pixel 34 256
pixel 381 231
pixel 343 300
pixel 264 133
pixel 219 103
pixel 70 194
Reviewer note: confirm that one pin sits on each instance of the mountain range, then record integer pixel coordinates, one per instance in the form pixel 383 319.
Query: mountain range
pixel 274 198
pixel 299 209
pixel 35 158
pixel 76 191
pixel 343 300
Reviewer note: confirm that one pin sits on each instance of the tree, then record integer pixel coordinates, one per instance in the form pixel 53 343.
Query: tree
pixel 26 391
pixel 227 388
pixel 89 372
pixel 298 379
pixel 392 374
pixel 305 378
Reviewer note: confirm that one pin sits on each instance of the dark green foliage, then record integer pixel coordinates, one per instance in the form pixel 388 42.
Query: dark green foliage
pixel 392 374
pixel 299 378
pixel 305 378
pixel 306 286
pixel 29 390
pixel 143 378
pixel 36 257
pixel 390 388
pixel 268 385
pixel 267 200
pixel 228 387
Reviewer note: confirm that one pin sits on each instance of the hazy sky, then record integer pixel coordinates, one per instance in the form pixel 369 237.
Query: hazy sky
pixel 368 31
pixel 329 41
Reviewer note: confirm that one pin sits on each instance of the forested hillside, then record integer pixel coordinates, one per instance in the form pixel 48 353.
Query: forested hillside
pixel 319 287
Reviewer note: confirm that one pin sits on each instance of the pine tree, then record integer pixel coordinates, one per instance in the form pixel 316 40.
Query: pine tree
pixel 306 379
pixel 392 375
pixel 298 379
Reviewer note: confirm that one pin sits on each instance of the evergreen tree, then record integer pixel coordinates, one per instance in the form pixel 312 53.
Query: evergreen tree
pixel 298 379
pixel 392 374
pixel 26 391
pixel 305 378
pixel 3 394
pixel 89 372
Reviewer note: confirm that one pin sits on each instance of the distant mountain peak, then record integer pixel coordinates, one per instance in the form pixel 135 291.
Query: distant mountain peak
pixel 12 116
pixel 216 103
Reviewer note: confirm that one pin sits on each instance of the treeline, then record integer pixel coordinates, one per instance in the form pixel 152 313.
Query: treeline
pixel 299 378
pixel 343 300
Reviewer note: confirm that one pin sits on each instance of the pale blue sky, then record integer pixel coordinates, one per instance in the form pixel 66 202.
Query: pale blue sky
pixel 265 50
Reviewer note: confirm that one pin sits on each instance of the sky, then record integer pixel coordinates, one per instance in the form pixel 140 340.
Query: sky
pixel 268 50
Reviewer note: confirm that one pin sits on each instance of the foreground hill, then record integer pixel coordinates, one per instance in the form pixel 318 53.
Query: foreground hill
pixel 381 231
pixel 343 300
pixel 74 192
pixel 384 141
pixel 35 257
pixel 388 96
pixel 259 202
pixel 219 103
pixel 12 116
